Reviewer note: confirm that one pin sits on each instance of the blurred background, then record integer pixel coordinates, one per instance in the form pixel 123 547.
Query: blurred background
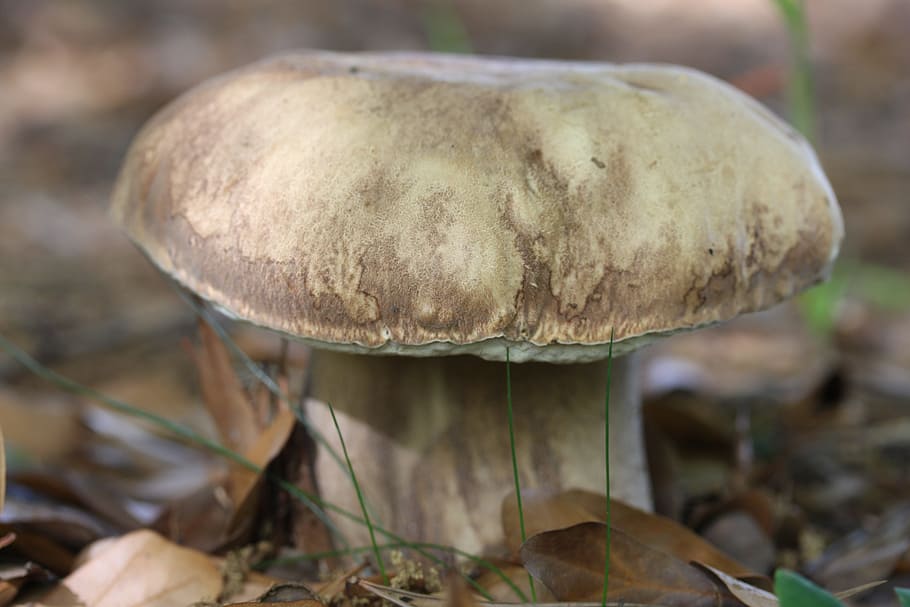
pixel 814 437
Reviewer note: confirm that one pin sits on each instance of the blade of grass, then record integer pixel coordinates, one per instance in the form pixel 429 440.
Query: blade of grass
pixel 363 508
pixel 800 89
pixel 521 514
pixel 793 590
pixel 603 599
pixel 314 502
pixel 444 28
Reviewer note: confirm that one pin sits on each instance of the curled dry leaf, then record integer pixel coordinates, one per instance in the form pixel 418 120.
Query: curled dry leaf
pixel 546 511
pixel 570 562
pixel 224 396
pixel 748 594
pixel 140 568
pixel 263 450
pixel 243 425
pixel 236 415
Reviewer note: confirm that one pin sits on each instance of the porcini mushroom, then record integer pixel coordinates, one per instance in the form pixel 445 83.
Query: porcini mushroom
pixel 412 216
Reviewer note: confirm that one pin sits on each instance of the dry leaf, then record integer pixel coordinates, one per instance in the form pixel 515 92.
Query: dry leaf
pixel 865 554
pixel 14 577
pixel 40 548
pixel 571 564
pixel 224 396
pixel 140 568
pixel 748 594
pixel 544 511
pixel 497 588
pixel 265 446
pixel 756 597
pixel 287 593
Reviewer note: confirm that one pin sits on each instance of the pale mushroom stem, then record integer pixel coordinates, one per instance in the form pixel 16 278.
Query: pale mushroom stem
pixel 429 442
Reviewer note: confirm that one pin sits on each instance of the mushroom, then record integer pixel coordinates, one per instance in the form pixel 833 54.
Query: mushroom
pixel 416 217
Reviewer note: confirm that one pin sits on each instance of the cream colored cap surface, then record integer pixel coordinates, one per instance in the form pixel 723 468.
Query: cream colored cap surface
pixel 430 204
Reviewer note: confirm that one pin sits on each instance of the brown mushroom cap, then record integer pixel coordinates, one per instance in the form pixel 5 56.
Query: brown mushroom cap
pixel 429 204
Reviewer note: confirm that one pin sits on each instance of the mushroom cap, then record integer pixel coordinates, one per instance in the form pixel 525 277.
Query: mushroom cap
pixel 428 204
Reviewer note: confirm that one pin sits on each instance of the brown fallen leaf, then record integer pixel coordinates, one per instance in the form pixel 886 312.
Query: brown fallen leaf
pixel 865 554
pixel 335 586
pixel 264 448
pixel 289 594
pixel 570 562
pixel 497 588
pixel 13 577
pixel 140 568
pixel 225 398
pixel 37 547
pixel 545 511
pixel 748 594
pixel 249 424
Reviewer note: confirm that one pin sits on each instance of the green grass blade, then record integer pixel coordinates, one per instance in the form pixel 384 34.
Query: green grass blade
pixel 800 88
pixel 793 590
pixel 318 506
pixel 603 600
pixel 363 508
pixel 444 28
pixel 521 514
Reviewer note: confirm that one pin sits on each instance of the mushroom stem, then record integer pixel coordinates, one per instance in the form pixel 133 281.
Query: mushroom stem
pixel 429 442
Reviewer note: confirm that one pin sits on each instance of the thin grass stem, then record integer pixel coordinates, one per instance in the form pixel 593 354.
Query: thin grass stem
pixel 800 89
pixel 521 513
pixel 363 508
pixel 603 599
